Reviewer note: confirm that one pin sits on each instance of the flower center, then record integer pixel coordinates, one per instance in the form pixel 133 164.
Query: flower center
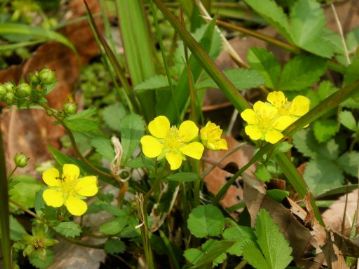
pixel 173 140
pixel 68 187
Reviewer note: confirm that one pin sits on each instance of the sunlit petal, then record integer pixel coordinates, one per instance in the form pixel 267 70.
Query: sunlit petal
pixel 87 186
pixel 283 122
pixel 249 116
pixel 277 99
pixel 193 150
pixel 159 126
pixel 188 130
pixel 70 172
pixel 299 106
pixel 75 206
pixel 53 197
pixel 151 146
pixel 273 136
pixel 51 177
pixel 174 159
pixel 253 132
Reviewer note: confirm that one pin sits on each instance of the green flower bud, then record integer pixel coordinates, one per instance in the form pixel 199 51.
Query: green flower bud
pixel 23 90
pixel 2 90
pixel 9 98
pixel 47 76
pixel 34 78
pixel 9 86
pixel 70 108
pixel 20 160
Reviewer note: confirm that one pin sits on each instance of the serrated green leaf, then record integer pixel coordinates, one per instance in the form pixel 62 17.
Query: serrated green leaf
pixel 347 119
pixel 23 190
pixel 41 259
pixel 273 14
pixel 206 220
pixel 272 242
pixel 132 129
pixel 266 64
pixel 157 82
pixel 323 175
pixel 324 129
pixel 242 235
pixel 243 79
pixel 262 173
pixel 85 121
pixel 349 162
pixel 301 72
pixel 277 195
pixel 104 147
pixel 68 229
pixel 113 114
pixel 183 177
pixel 114 226
pixel 254 256
pixel 114 246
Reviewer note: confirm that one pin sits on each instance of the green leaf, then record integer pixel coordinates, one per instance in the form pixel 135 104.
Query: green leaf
pixel 254 256
pixel 324 129
pixel 115 226
pixel 272 242
pixel 352 72
pixel 192 255
pixel 104 147
pixel 23 190
pixel 183 177
pixel 114 246
pixel 262 173
pixel 156 82
pixel 242 235
pixel 206 220
pixel 17 231
pixel 68 229
pixel 273 14
pixel 277 195
pixel 301 72
pixel 349 162
pixel 41 259
pixel 242 79
pixel 132 129
pixel 322 175
pixel 266 64
pixel 33 32
pixel 307 28
pixel 84 121
pixel 347 119
pixel 113 114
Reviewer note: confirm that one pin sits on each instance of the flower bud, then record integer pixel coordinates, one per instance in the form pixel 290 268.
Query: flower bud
pixel 70 108
pixel 9 98
pixel 20 160
pixel 34 78
pixel 2 90
pixel 47 76
pixel 23 90
pixel 9 86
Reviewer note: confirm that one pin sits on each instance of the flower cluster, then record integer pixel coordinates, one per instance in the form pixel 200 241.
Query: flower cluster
pixel 267 120
pixel 175 144
pixel 68 189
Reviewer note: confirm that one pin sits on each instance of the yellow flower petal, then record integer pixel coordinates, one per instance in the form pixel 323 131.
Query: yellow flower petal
pixel 70 172
pixel 75 206
pixel 283 122
pixel 193 150
pixel 51 177
pixel 174 159
pixel 253 132
pixel 87 186
pixel 159 126
pixel 265 110
pixel 277 99
pixel 249 116
pixel 273 136
pixel 221 144
pixel 53 197
pixel 299 106
pixel 188 130
pixel 151 146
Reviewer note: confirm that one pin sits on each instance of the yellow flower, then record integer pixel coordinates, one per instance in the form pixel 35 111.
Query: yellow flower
pixel 265 123
pixel 171 143
pixel 296 108
pixel 68 189
pixel 211 137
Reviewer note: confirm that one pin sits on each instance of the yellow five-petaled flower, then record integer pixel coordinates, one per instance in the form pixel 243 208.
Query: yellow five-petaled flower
pixel 267 120
pixel 68 189
pixel 211 137
pixel 171 143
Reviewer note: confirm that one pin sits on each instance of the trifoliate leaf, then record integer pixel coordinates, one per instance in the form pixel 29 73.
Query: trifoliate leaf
pixel 242 235
pixel 23 190
pixel 301 72
pixel 158 82
pixel 132 128
pixel 349 162
pixel 68 229
pixel 272 242
pixel 323 175
pixel 324 129
pixel 104 147
pixel 206 220
pixel 112 115
pixel 347 119
pixel 114 246
pixel 266 64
